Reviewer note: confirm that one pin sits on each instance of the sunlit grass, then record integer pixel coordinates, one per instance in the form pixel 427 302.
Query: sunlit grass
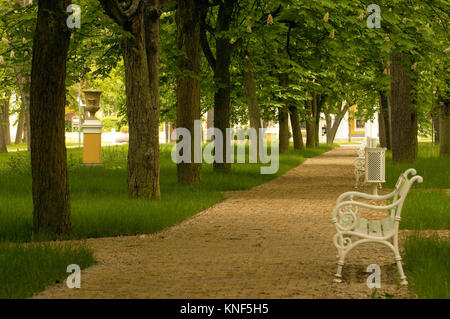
pixel 99 199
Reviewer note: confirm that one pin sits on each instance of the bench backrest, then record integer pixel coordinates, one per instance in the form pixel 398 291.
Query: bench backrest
pixel 402 188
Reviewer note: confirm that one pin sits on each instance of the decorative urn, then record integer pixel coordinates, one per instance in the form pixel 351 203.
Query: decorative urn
pixel 92 98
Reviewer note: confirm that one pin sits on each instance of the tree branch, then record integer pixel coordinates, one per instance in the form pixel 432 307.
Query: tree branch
pixel 119 14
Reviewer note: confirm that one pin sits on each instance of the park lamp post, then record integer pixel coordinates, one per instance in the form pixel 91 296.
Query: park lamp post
pixel 92 130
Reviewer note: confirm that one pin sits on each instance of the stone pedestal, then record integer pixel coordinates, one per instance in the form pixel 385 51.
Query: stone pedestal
pixel 92 141
pixel 92 130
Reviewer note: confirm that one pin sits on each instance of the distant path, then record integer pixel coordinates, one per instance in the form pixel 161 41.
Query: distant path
pixel 273 241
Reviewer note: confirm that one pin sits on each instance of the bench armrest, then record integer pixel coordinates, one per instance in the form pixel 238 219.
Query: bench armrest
pixel 352 195
pixel 354 204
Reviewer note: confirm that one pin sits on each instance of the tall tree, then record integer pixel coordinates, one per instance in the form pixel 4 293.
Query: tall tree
pixel 140 50
pixel 403 120
pixel 220 64
pixel 20 123
pixel 4 120
pixel 188 81
pixel 383 121
pixel 283 118
pixel 47 106
pixel 444 128
pixel 296 128
pixel 253 108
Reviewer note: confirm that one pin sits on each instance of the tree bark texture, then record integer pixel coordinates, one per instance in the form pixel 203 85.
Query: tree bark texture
pixel 253 108
pixel 20 123
pixel 24 83
pixel 383 122
pixel 312 124
pixel 296 128
pixel 403 121
pixel 222 97
pixel 188 94
pixel 141 59
pixel 50 183
pixel 4 123
pixel 444 128
pixel 283 119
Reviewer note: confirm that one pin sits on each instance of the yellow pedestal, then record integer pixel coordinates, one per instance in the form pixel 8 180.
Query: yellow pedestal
pixel 92 141
pixel 92 151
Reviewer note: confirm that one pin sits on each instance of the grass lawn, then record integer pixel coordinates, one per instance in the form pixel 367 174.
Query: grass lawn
pixel 99 201
pixel 427 262
pixel 426 207
pixel 26 269
pixel 23 146
pixel 100 207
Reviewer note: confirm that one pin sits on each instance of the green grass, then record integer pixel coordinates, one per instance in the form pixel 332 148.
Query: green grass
pixel 26 269
pixel 23 146
pixel 99 201
pixel 427 206
pixel 426 210
pixel 427 263
pixel 427 260
pixel 100 207
pixel 434 169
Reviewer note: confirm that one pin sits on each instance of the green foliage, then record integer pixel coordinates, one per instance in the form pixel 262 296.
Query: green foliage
pixel 110 122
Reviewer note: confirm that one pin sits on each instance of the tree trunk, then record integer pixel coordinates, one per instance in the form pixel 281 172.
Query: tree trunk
pixel 296 128
pixel 383 122
pixel 444 128
pixel 222 97
pixel 188 97
pixel 310 125
pixel 283 119
pixel 4 123
pixel 20 123
pixel 47 107
pixel 318 108
pixel 141 59
pixel 403 122
pixel 3 148
pixel 209 122
pixel 253 109
pixel 4 120
pixel 24 82
pixel 332 127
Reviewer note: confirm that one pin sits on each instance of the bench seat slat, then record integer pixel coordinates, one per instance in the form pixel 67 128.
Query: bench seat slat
pixel 388 225
pixel 361 225
pixel 374 228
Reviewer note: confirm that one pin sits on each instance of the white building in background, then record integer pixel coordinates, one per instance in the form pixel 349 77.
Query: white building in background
pixel 355 130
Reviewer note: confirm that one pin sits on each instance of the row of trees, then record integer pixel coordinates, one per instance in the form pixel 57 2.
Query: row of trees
pixel 249 60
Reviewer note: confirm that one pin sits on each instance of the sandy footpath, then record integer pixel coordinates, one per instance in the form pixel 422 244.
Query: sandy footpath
pixel 273 241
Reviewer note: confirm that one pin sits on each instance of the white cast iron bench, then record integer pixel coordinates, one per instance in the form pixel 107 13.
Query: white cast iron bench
pixel 348 225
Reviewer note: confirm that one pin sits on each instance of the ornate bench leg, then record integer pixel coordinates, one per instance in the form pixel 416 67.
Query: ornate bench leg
pixel 403 280
pixel 398 260
pixel 338 275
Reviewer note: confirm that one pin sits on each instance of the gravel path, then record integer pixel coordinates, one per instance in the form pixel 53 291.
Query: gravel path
pixel 273 241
